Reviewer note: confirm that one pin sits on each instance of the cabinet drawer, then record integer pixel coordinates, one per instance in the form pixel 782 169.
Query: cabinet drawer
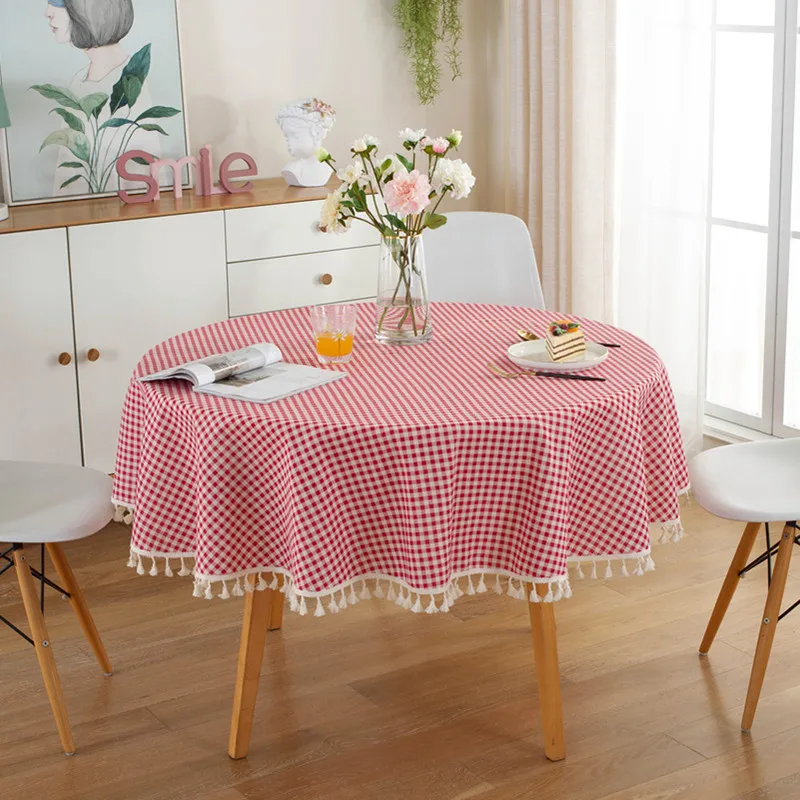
pixel 286 229
pixel 275 283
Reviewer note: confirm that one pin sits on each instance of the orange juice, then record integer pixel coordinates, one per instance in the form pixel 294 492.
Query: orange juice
pixel 334 345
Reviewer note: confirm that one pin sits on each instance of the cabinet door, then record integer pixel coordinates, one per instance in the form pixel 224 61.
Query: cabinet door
pixel 135 284
pixel 38 398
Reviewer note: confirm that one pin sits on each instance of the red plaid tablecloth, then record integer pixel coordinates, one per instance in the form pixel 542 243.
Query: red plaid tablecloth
pixel 420 476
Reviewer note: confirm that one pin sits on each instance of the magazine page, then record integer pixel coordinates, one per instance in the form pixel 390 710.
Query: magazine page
pixel 205 371
pixel 271 382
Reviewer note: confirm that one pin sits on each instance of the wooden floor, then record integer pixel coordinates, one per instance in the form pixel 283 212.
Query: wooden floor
pixel 380 703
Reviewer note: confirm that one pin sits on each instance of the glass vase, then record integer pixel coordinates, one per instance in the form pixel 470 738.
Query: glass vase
pixel 403 314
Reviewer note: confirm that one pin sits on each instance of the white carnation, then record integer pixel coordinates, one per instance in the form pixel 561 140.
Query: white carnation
pixel 455 175
pixel 351 173
pixel 359 146
pixel 329 218
pixel 395 167
pixel 371 141
pixel 410 135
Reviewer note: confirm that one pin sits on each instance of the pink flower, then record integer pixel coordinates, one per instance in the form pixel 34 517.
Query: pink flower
pixel 440 146
pixel 407 193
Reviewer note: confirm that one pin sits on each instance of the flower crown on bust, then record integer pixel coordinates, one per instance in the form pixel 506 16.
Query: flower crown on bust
pixel 312 110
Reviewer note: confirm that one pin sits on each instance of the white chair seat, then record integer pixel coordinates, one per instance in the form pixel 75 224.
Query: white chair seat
pixel 42 503
pixel 751 482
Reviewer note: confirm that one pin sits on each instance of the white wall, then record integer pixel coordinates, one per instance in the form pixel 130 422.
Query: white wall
pixel 243 59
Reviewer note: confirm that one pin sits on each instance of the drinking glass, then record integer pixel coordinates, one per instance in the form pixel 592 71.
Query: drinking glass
pixel 334 327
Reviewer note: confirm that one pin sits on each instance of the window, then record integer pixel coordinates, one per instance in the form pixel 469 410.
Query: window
pixel 753 245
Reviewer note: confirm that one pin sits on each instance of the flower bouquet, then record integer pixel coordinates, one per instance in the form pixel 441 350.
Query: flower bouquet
pixel 398 195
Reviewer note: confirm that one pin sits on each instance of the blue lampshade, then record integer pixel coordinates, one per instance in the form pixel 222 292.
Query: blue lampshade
pixel 5 120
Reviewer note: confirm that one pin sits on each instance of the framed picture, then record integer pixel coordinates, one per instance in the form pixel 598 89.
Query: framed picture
pixel 85 81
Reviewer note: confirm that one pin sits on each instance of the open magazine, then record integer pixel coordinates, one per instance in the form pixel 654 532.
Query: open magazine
pixel 256 373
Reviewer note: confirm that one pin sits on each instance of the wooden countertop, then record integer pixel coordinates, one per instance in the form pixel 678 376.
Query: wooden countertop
pixel 67 213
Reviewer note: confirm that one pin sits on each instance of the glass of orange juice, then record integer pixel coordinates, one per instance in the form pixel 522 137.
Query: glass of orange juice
pixel 334 327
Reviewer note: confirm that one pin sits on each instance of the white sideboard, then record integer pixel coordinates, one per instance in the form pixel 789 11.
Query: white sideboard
pixel 81 301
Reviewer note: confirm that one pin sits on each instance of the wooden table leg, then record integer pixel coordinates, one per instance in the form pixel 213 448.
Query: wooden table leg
pixel 78 603
pixel 738 563
pixel 545 651
pixel 275 610
pixel 769 622
pixel 44 649
pixel 251 653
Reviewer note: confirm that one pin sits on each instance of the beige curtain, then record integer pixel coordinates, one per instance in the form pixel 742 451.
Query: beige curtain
pixel 559 171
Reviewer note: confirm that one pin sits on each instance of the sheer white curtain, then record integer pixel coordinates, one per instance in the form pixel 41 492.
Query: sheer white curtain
pixel 662 175
pixel 559 175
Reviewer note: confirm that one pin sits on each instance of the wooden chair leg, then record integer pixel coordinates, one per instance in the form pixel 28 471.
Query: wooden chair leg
pixel 730 584
pixel 248 672
pixel 769 621
pixel 545 651
pixel 78 603
pixel 44 650
pixel 275 610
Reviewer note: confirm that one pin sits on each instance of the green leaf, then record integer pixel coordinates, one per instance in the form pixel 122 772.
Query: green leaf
pixel 386 164
pixel 397 222
pixel 434 221
pixel 92 101
pixel 138 65
pixel 117 100
pixel 132 88
pixel 158 112
pixel 70 119
pixel 116 122
pixel 143 161
pixel 405 162
pixel 70 180
pixel 99 108
pixel 75 142
pixel 63 97
pixel 71 165
pixel 149 126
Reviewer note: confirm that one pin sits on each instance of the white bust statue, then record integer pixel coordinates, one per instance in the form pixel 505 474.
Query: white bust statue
pixel 305 124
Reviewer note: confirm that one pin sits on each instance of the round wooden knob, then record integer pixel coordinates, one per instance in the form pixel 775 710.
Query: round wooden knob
pixel 65 359
pixel 326 279
pixel 92 354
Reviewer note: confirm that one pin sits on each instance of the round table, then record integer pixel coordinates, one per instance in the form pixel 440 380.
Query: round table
pixel 419 477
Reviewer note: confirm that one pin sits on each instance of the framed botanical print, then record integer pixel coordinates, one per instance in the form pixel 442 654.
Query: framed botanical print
pixel 85 81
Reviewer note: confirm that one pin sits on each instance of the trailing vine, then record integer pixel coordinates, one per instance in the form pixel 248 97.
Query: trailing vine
pixel 428 25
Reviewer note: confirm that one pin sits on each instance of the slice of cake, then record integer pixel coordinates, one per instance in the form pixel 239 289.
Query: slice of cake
pixel 565 341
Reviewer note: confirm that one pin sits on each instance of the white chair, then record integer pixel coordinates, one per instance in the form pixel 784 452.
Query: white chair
pixel 482 257
pixel 49 504
pixel 757 483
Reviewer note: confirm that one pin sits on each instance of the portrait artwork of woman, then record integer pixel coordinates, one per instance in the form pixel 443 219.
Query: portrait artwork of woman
pixel 107 108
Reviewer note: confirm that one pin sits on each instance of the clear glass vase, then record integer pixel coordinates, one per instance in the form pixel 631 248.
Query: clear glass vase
pixel 403 314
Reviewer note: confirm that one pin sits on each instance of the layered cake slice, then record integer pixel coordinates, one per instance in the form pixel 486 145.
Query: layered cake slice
pixel 565 341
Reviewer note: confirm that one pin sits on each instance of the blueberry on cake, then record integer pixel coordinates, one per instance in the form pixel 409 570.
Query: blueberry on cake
pixel 565 341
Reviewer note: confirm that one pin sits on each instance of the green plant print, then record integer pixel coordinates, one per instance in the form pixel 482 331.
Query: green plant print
pixel 94 145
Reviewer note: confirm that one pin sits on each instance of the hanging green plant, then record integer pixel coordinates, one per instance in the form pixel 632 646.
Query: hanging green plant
pixel 428 25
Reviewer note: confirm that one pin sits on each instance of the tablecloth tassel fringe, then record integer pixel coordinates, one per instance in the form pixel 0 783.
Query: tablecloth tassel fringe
pixel 482 585
pixel 567 589
pixel 319 611
pixel 153 572
pixel 123 514
pixel 417 607
pixel 639 571
pixel 446 603
pixel 594 571
pixel 470 585
pixel 237 588
pixel 197 591
pixel 167 568
pixel 224 594
pixel 184 570
pixel 649 564
pixel 352 598
pixel 209 595
pixel 558 594
pixel 407 601
pixel 343 600
pixel 432 607
pixel 624 570
pixel 303 610
pixel 262 584
pixel 534 595
pixel 365 593
pixel 548 598
pixel 391 594
pixel 378 590
pixel 609 572
pixel 579 572
pixel 273 584
pixel 132 560
pixel 671 532
pixel 333 607
pixel 139 565
pixel 498 589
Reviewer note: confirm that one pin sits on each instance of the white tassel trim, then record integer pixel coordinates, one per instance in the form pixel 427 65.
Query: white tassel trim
pixel 123 514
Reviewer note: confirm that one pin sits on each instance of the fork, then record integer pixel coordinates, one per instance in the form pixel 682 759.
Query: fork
pixel 501 373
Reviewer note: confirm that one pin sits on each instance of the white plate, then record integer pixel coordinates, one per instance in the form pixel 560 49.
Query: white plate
pixel 533 355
